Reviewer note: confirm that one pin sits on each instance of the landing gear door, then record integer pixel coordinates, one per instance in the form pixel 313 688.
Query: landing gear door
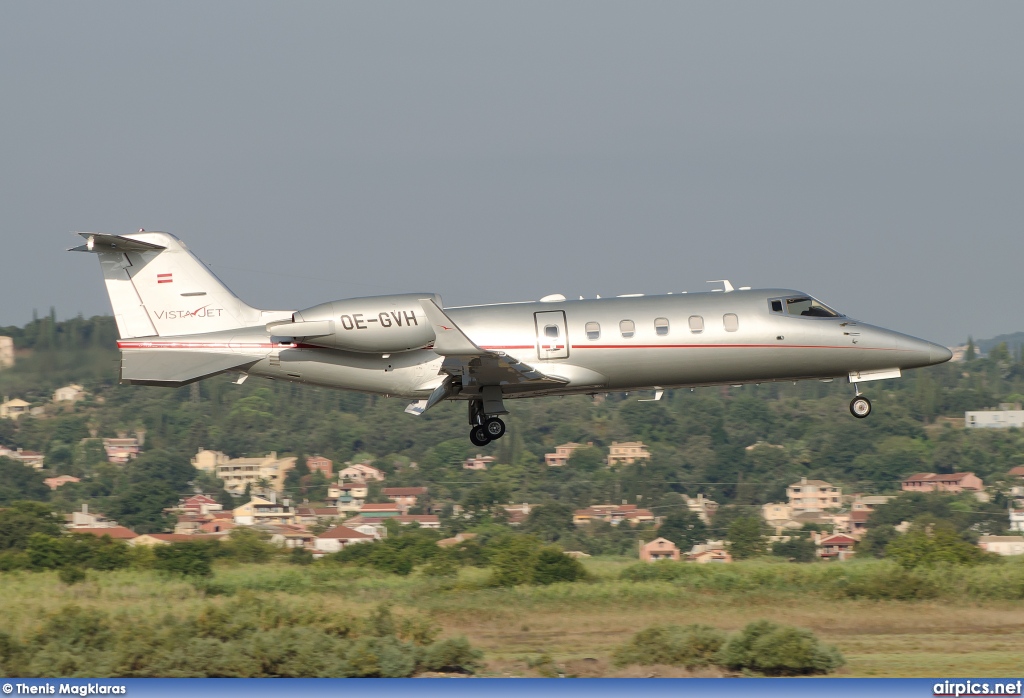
pixel 552 337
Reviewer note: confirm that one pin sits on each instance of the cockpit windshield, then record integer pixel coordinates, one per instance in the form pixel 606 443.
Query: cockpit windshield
pixel 809 307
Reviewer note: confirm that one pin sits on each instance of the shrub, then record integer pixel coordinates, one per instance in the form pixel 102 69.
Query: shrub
pixel 300 556
pixel 893 583
pixel 779 650
pixel 71 575
pixel 452 655
pixel 689 646
pixel 553 565
pixel 183 558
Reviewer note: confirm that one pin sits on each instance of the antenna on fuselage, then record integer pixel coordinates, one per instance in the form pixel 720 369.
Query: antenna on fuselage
pixel 726 285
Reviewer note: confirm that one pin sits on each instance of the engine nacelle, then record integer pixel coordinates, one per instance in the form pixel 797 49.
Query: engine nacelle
pixel 375 324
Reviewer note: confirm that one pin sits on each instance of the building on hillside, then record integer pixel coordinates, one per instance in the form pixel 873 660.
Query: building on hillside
pixel 703 507
pixel 776 514
pixel 32 459
pixel 308 515
pixel 239 472
pixel 380 510
pixel 516 514
pixel 121 449
pixel 1016 519
pixel 220 526
pixel 347 496
pixel 478 463
pixel 319 464
pixel 1002 545
pixel 713 551
pixel 994 419
pixel 859 522
pixel 152 539
pixel 360 471
pixel 813 496
pixel 69 393
pixel 455 540
pixel 199 504
pixel 371 526
pixel 627 453
pixel 613 514
pixel 6 352
pixel 658 549
pixel 562 454
pixel 405 497
pixel 262 510
pixel 115 532
pixel 837 546
pixel 339 538
pixel 55 482
pixel 868 502
pixel 953 482
pixel 12 409
pixel 83 519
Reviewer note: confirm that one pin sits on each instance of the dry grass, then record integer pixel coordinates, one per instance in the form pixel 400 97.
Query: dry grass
pixel 574 629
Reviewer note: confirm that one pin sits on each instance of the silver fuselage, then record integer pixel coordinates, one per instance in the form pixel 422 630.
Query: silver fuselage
pixel 764 346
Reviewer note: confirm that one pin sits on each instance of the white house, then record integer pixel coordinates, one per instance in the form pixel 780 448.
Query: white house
pixel 69 393
pixel 994 419
pixel 340 537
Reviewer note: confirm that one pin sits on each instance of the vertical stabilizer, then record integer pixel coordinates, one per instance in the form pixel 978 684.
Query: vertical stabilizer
pixel 158 288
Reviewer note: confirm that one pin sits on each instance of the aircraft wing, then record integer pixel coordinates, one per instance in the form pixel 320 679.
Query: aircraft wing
pixel 464 359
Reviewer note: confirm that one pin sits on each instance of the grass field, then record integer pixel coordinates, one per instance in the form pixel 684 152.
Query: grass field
pixel 573 628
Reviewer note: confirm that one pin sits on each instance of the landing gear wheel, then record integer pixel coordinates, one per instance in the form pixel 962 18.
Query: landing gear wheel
pixel 479 436
pixel 495 428
pixel 860 407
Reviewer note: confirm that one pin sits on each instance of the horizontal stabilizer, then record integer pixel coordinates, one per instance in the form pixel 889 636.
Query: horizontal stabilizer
pixel 101 242
pixel 176 368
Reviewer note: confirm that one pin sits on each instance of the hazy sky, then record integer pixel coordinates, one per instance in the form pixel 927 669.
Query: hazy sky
pixel 868 153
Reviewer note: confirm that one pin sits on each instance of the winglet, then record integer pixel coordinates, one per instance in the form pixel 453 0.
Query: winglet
pixel 449 340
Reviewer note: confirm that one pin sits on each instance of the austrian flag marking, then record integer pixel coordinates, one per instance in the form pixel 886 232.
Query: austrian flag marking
pixel 164 278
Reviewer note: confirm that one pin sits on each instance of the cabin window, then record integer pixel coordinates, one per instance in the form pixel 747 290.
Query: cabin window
pixel 808 307
pixel 627 328
pixel 731 322
pixel 593 331
pixel 551 330
pixel 661 326
pixel 696 324
pixel 776 305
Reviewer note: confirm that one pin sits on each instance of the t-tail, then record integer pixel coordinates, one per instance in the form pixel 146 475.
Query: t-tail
pixel 158 288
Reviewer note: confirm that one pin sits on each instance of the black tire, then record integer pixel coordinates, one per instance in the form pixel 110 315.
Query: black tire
pixel 495 428
pixel 478 436
pixel 860 407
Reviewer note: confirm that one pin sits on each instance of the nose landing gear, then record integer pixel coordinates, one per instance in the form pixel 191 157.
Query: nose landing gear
pixel 860 406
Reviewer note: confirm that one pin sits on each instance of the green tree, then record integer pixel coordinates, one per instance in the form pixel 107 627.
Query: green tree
pixel 746 538
pixel 22 519
pixel 551 521
pixel 20 483
pixel 779 650
pixel 925 545
pixel 190 559
pixel 684 528
pixel 552 565
pixel 795 549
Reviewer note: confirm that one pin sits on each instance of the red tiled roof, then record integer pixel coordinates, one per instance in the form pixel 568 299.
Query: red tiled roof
pixel 118 532
pixel 1017 471
pixel 859 516
pixel 181 537
pixel 344 533
pixel 403 491
pixel 837 539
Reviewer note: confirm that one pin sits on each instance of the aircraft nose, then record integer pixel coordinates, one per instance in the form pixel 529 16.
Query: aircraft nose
pixel 939 354
pixel 923 353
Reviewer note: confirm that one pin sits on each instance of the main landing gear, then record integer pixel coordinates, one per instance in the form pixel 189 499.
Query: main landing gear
pixel 860 406
pixel 485 427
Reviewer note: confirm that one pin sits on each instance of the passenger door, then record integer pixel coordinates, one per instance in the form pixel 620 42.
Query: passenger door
pixel 552 337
